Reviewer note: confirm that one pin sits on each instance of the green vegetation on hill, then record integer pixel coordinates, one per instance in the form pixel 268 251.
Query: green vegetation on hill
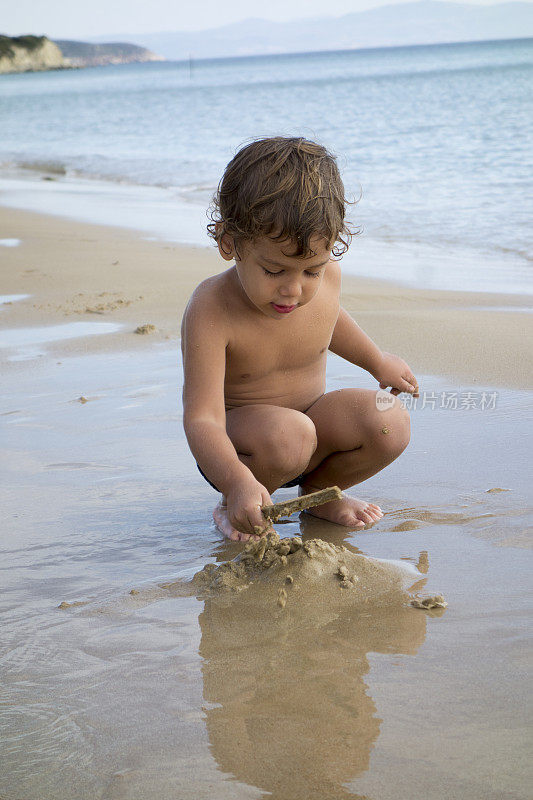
pixel 88 51
pixel 29 43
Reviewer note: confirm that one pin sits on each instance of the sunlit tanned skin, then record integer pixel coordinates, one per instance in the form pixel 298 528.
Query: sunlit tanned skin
pixel 256 414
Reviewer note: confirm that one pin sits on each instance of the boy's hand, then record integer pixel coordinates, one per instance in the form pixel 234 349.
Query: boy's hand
pixel 394 372
pixel 244 503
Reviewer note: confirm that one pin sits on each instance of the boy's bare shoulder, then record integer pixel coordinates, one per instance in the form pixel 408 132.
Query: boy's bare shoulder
pixel 209 300
pixel 210 288
pixel 331 285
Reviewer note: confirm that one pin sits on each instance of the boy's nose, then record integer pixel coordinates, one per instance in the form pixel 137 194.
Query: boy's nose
pixel 291 289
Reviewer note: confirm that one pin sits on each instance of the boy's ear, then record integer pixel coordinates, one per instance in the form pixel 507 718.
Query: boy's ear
pixel 226 247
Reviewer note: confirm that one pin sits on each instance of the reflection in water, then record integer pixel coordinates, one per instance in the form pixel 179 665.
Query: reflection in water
pixel 289 712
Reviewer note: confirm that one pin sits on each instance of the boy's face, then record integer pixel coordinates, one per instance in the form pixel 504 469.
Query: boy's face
pixel 274 281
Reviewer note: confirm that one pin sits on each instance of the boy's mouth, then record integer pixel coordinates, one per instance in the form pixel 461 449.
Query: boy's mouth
pixel 283 309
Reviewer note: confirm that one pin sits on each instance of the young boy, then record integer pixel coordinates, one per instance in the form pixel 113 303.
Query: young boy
pixel 255 341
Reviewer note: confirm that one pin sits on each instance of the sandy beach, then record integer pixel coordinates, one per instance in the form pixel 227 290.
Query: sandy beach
pixel 120 695
pixel 78 272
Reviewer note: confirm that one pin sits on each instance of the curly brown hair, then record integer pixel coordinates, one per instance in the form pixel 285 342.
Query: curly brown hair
pixel 287 188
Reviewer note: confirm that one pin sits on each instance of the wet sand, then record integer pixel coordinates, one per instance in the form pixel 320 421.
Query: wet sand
pixel 75 271
pixel 128 695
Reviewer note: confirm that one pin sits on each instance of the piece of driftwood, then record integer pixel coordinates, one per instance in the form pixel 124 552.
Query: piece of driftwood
pixel 288 507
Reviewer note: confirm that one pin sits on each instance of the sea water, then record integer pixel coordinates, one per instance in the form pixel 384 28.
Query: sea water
pixel 151 695
pixel 432 141
pixel 123 699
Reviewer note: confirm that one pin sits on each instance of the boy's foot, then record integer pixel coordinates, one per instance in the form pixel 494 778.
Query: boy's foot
pixel 220 517
pixel 349 511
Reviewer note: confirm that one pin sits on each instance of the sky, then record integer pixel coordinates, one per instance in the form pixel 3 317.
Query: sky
pixel 64 19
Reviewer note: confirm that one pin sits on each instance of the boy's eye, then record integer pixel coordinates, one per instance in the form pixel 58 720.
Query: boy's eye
pixel 307 272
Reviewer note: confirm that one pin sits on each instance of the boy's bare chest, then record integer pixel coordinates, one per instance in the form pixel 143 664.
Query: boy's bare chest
pixel 273 347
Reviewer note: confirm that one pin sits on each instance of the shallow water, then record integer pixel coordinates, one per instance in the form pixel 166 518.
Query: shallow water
pixel 24 344
pixel 138 695
pixel 433 140
pixel 12 298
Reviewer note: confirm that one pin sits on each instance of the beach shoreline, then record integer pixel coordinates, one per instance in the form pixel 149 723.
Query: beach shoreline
pixel 178 215
pixel 68 271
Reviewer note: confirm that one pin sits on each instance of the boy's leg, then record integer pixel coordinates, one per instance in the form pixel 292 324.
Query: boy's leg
pixel 275 443
pixel 355 441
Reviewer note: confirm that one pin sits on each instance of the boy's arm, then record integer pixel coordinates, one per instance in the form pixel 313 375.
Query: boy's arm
pixel 204 340
pixel 350 342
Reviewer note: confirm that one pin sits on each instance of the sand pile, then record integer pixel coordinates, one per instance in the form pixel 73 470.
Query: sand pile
pixel 285 570
pixel 313 578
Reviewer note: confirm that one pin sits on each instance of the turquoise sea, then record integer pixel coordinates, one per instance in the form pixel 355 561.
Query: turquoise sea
pixel 434 140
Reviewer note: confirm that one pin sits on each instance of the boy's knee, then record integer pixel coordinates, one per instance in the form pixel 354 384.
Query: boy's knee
pixel 394 428
pixel 306 439
pixel 288 448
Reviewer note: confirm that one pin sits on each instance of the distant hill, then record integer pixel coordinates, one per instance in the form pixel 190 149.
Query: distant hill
pixel 29 54
pixel 424 22
pixel 85 54
pixel 37 53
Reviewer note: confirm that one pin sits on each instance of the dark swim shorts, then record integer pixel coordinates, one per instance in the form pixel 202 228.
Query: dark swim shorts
pixel 294 482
